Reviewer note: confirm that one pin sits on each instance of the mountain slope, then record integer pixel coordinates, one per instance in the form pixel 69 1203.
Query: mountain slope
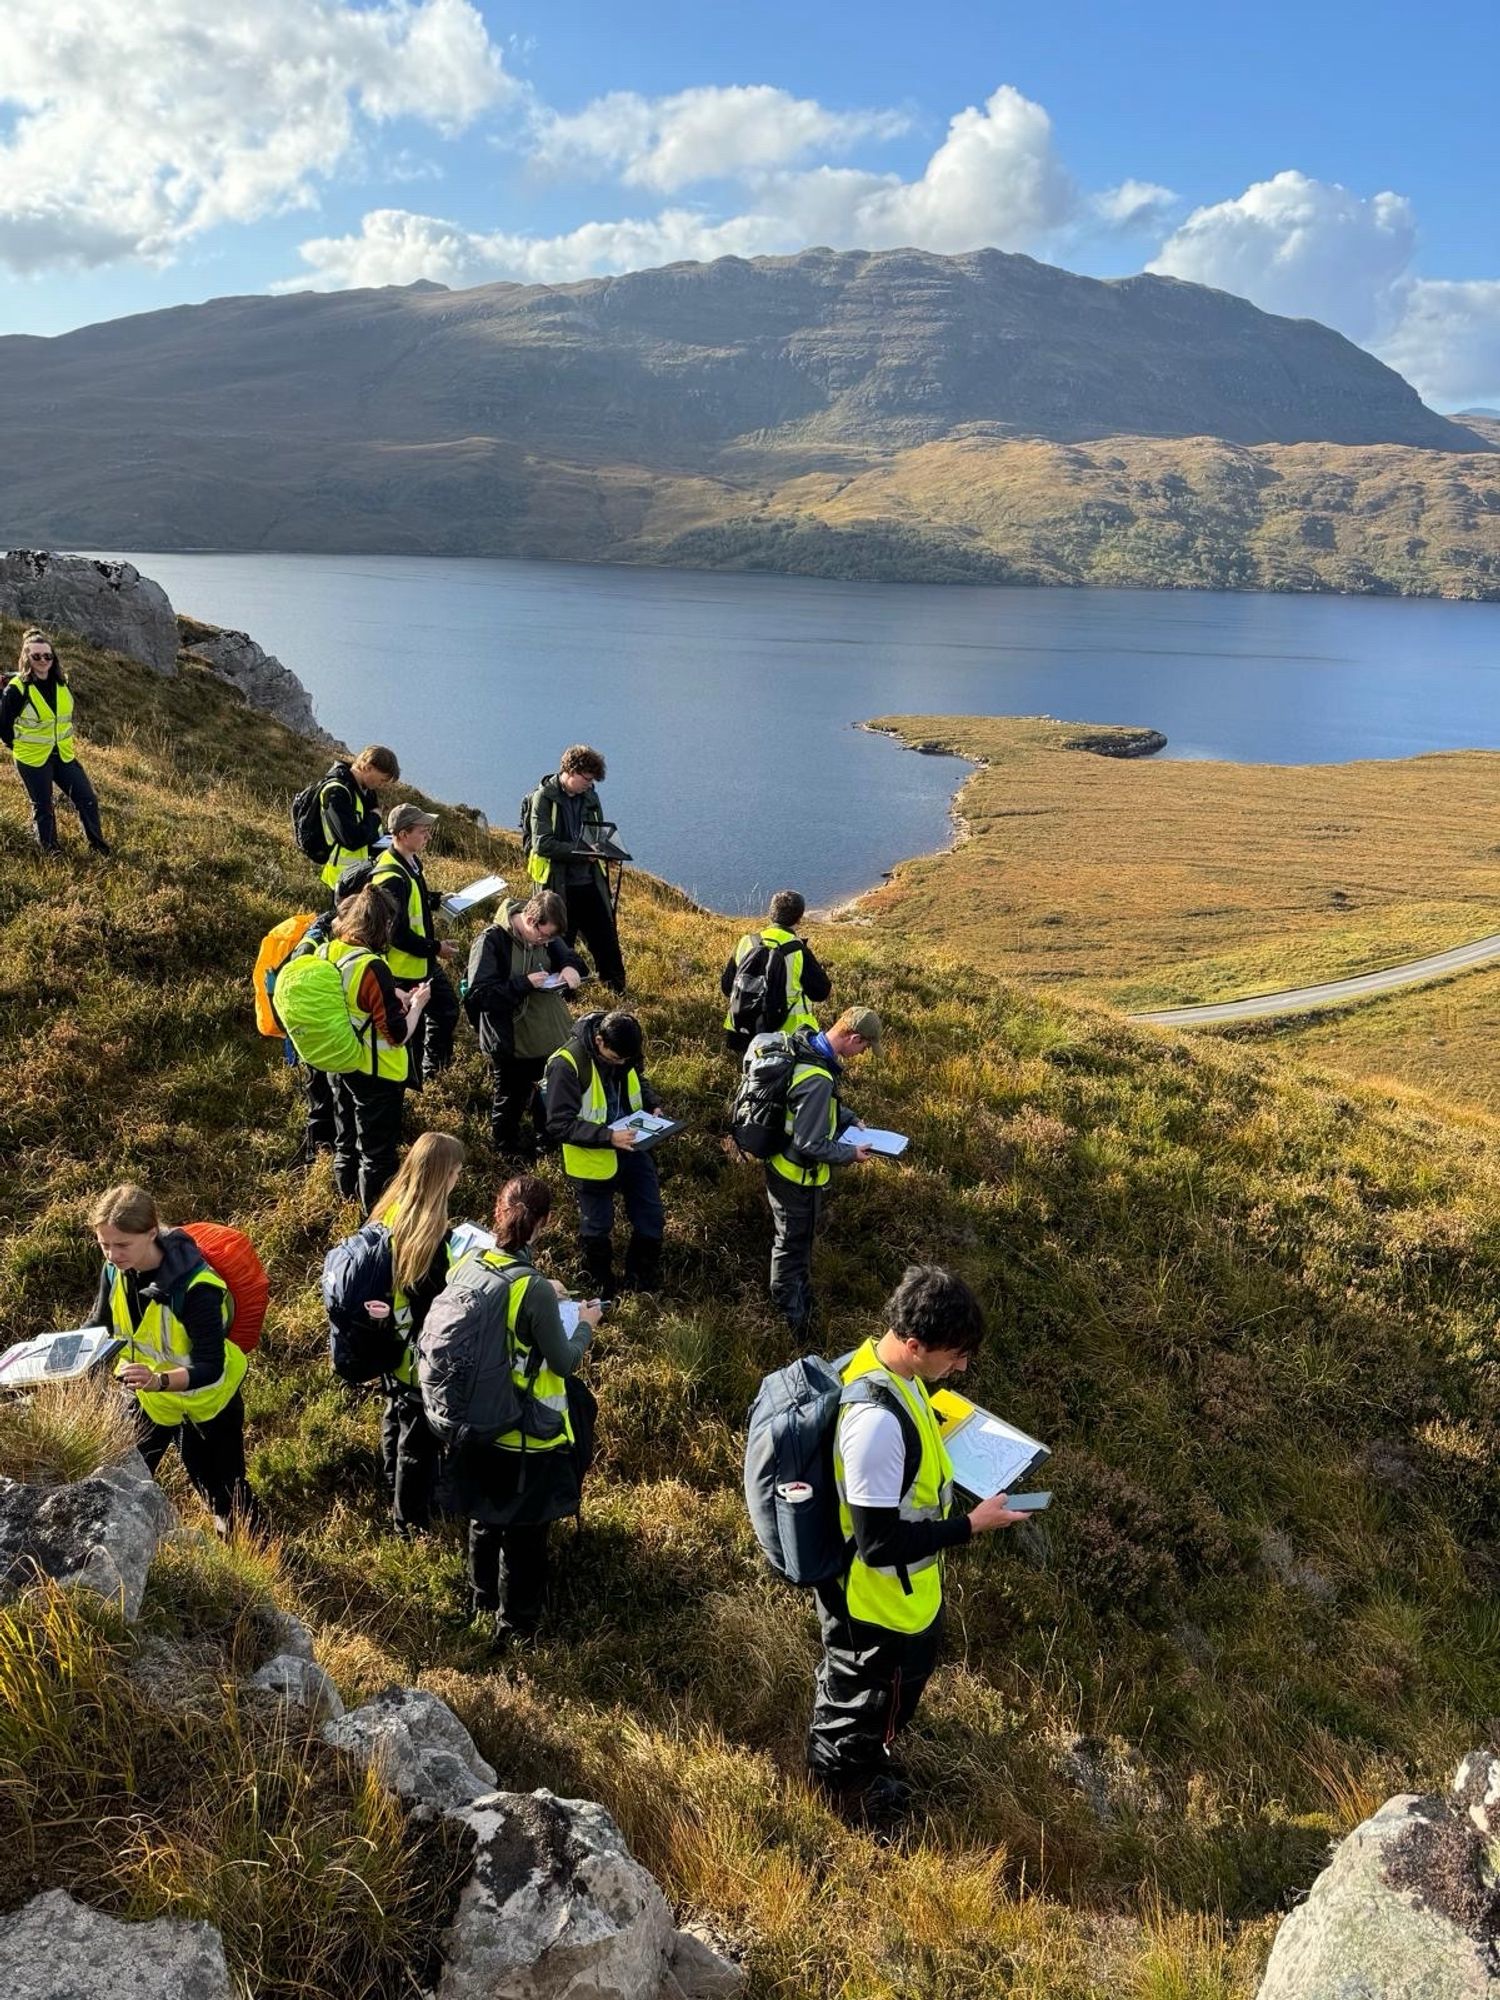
pixel 1252 1312
pixel 478 421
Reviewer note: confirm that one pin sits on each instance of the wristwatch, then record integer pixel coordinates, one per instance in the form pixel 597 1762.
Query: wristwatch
pixel 161 1381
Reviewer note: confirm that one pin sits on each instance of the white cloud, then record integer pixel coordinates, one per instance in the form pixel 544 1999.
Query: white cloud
pixel 1312 248
pixel 994 181
pixel 1133 205
pixel 1303 247
pixel 709 133
pixel 396 247
pixel 125 135
pixel 1445 339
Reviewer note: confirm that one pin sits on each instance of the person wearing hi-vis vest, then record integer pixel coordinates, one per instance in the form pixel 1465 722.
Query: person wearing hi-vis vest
pixel 415 954
pixel 157 1294
pixel 36 726
pixel 803 978
pixel 511 1488
pixel 797 1176
pixel 882 1620
pixel 414 1209
pixel 349 804
pixel 592 1080
pixel 367 1103
pixel 566 816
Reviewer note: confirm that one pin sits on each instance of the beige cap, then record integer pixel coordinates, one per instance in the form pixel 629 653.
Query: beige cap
pixel 401 819
pixel 861 1021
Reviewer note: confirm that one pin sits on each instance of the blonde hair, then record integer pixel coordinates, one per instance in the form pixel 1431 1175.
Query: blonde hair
pixel 126 1207
pixel 420 1191
pixel 36 636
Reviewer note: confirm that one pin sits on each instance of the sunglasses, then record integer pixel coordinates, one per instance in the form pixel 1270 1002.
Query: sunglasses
pixel 39 656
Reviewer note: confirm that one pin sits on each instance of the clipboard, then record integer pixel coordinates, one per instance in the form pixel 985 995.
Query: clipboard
pixel 649 1128
pixel 989 1455
pixel 58 1357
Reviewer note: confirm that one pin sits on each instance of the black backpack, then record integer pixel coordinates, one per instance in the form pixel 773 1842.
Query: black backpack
pixel 355 1272
pixel 758 997
pixel 307 822
pixel 524 823
pixel 757 1118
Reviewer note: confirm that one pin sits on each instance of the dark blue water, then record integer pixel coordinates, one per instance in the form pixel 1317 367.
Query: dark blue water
pixel 725 704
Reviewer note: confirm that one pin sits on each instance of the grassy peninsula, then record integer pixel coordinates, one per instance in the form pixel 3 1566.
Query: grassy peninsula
pixel 1254 1313
pixel 1086 867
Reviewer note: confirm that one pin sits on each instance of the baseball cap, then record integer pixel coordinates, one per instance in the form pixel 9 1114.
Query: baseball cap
pixel 401 819
pixel 862 1021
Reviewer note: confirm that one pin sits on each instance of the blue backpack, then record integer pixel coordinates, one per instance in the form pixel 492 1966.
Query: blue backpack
pixel 789 1484
pixel 355 1272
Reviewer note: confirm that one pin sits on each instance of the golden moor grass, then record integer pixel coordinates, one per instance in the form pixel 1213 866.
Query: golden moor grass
pixel 1150 884
pixel 1253 1311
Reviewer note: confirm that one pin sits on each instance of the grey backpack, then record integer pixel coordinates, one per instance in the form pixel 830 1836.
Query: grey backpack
pixel 790 1491
pixel 464 1355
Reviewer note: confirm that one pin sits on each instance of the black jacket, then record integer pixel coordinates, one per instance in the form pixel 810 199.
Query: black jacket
pixel 563 1087
pixel 493 994
pixel 201 1310
pixel 351 813
pixel 13 700
pixel 423 945
pixel 558 822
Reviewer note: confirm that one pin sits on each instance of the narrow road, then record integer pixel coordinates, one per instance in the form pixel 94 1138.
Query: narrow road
pixel 1333 992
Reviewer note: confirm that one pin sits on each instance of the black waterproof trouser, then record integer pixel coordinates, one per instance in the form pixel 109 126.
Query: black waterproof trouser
pixel 635 1181
pixel 213 1457
pixel 430 1049
pixel 794 1224
pixel 367 1136
pixel 408 1457
pixel 70 778
pixel 319 1128
pixel 868 1686
pixel 508 1573
pixel 589 912
pixel 517 1091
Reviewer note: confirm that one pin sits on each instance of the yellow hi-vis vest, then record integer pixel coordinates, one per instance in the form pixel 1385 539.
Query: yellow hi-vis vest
pixel 160 1340
pixel 798 1013
pixel 878 1596
pixel 536 1384
pixel 39 729
pixel 538 866
pixel 817 1173
pixel 405 1370
pixel 390 1062
pixel 404 964
pixel 595 1163
pixel 338 857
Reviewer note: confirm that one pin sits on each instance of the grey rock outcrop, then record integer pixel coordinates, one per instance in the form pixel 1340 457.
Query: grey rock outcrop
pixel 302 1682
pixel 58 1949
pixel 1408 1908
pixel 556 1906
pixel 698 1970
pixel 260 677
pixel 100 1532
pixel 293 1635
pixel 422 1749
pixel 109 603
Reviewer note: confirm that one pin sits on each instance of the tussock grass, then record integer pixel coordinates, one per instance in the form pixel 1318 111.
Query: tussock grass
pixel 63 1431
pixel 1253 1311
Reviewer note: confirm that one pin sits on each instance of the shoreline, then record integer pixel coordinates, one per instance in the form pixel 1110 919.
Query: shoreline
pixel 1115 741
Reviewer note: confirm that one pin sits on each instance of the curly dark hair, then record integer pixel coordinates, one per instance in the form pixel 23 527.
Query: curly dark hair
pixel 936 1309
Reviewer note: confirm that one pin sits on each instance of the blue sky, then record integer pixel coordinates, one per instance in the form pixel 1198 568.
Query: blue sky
pixel 1324 158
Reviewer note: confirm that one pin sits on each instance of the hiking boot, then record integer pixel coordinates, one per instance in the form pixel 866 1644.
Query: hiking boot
pixel 642 1265
pixel 597 1253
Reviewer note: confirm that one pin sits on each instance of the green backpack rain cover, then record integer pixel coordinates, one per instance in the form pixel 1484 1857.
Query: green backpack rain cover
pixel 312 998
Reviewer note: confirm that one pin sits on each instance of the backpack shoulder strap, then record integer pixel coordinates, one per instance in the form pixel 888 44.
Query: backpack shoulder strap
pixel 870 1389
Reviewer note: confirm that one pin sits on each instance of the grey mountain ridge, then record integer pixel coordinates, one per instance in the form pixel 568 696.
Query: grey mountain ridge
pixel 542 419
